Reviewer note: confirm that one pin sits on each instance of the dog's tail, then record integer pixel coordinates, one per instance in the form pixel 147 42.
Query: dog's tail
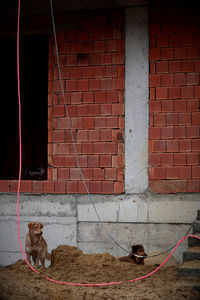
pixel 48 256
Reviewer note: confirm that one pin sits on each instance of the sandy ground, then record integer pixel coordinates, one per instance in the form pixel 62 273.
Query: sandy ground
pixel 69 264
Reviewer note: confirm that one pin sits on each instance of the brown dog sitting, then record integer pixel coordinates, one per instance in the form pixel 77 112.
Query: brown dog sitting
pixel 36 245
pixel 138 250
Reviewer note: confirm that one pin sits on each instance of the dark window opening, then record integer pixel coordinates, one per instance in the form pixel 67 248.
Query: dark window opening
pixel 34 108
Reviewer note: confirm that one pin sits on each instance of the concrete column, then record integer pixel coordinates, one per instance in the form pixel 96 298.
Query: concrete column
pixel 136 100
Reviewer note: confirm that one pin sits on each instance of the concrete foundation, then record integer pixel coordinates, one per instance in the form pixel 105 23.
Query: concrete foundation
pixel 156 221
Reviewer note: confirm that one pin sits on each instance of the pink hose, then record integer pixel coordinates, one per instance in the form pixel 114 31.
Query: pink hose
pixel 18 191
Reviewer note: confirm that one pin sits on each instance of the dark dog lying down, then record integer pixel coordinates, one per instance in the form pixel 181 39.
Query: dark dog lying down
pixel 138 250
pixel 36 245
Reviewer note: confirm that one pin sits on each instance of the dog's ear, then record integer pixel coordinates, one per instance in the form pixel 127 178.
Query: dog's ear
pixel 134 248
pixel 41 225
pixel 30 225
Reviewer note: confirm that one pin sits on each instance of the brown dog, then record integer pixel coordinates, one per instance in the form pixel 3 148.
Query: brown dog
pixel 36 245
pixel 138 250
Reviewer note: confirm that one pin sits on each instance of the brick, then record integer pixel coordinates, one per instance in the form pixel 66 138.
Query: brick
pixel 159 119
pixel 74 174
pixel 37 187
pixel 13 186
pixel 77 123
pixel 193 186
pixel 118 109
pixel 93 161
pixel 58 136
pixel 76 47
pixel 154 28
pixel 106 83
pixel 26 186
pixel 72 187
pixel 88 148
pixel 58 111
pixel 82 161
pixel 187 92
pixel 118 135
pixel 196 66
pixel 84 59
pixel 83 35
pixel 99 71
pixel 168 186
pixel 71 110
pixel 152 67
pixel 87 72
pixel 106 33
pixel 118 58
pixel 172 146
pixel 187 66
pixel 63 173
pixel 193 52
pixel 88 122
pixel 87 47
pixel 193 78
pixel 117 161
pixel 196 91
pixel 87 173
pixel 107 187
pixel 68 135
pixel 71 60
pixel 121 71
pixel 76 98
pixel 161 93
pixel 111 46
pixel 106 135
pixel 83 85
pixel 154 54
pixel 100 97
pixel 184 145
pixel 76 73
pixel 82 135
pixel 110 173
pixel 94 34
pixel 159 146
pixel 94 59
pixel 195 171
pixel 174 92
pixel 193 158
pixel 118 83
pixel 69 161
pixel 95 187
pixel 112 122
pixel 152 93
pixel 167 53
pixel 105 160
pixel 180 53
pixel 48 187
pixel 174 40
pixel 167 106
pixel 179 132
pixel 60 187
pixel 94 135
pixel 195 118
pixel 58 161
pixel 82 110
pixel 99 148
pixel 71 85
pixel 161 67
pixel 166 159
pixel 82 187
pixel 162 41
pixel 98 174
pixel 179 159
pixel 172 172
pixel 192 105
pixel 111 148
pixel 174 66
pixel 99 47
pixel 185 118
pixel 185 172
pixel 195 144
pixel 192 131
pixel 187 40
pixel 167 79
pixel 179 79
pixel 118 187
pixel 106 59
pixel 180 106
pixel 100 122
pixel 94 84
pixel 154 133
pixel 157 172
pixel 154 80
pixel 111 71
pixel 167 132
pixel 154 159
pixel 88 97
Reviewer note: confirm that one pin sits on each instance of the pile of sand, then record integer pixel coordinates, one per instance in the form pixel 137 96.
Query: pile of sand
pixel 69 264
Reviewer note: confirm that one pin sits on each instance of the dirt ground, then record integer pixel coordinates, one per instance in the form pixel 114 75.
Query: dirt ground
pixel 69 264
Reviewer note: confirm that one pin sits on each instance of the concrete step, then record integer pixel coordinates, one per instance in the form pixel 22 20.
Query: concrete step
pixel 192 242
pixel 196 227
pixel 193 253
pixel 190 269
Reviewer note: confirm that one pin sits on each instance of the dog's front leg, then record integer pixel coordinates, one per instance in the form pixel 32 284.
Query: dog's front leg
pixel 28 256
pixel 37 261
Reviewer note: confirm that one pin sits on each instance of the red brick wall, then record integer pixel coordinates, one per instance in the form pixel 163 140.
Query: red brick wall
pixel 92 69
pixel 174 141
